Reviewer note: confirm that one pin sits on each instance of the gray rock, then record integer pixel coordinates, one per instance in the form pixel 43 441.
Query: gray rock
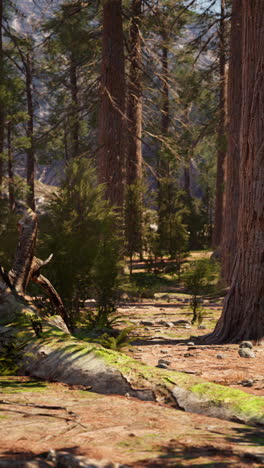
pixel 246 353
pixel 146 322
pixel 220 356
pixel 182 322
pixel 169 324
pixel 201 327
pixel 162 365
pixel 190 343
pixel 163 361
pixel 165 297
pixel 247 383
pixel 246 344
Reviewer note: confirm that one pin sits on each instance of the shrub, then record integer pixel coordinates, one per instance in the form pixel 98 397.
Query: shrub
pixel 81 229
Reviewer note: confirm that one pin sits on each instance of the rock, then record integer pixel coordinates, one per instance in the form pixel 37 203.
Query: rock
pixel 220 356
pixel 165 297
pixel 246 344
pixel 169 324
pixel 57 321
pixel 246 353
pixel 187 326
pixel 182 322
pixel 162 365
pixel 247 382
pixel 146 322
pixel 190 343
pixel 164 361
pixel 201 327
pixel 188 355
pixel 192 347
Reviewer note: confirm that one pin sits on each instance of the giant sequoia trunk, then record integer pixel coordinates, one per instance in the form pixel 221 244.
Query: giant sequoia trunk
pixel 111 155
pixel 243 313
pixel 2 113
pixel 55 355
pixel 229 239
pixel 134 107
pixel 221 137
pixel 30 133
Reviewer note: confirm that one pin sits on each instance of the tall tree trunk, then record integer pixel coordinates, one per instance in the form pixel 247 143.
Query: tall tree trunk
pixel 2 113
pixel 221 140
pixel 111 154
pixel 75 127
pixel 229 240
pixel 242 316
pixel 11 189
pixel 134 107
pixel 30 134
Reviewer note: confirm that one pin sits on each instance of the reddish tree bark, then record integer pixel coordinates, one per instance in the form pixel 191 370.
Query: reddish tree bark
pixel 219 197
pixel 242 317
pixel 2 113
pixel 111 154
pixel 30 134
pixel 134 108
pixel 11 188
pixel 229 240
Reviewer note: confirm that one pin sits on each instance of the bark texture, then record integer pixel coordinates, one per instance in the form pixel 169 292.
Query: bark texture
pixel 134 112
pixel 30 133
pixel 111 154
pixel 243 314
pixel 221 140
pixel 75 126
pixel 11 188
pixel 2 113
pixel 229 239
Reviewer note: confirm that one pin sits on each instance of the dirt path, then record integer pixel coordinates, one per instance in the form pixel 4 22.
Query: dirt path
pixel 37 417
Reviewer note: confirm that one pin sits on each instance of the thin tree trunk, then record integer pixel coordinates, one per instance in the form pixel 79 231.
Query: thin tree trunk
pixel 229 241
pixel 219 200
pixel 11 188
pixel 134 110
pixel 242 317
pixel 2 112
pixel 75 127
pixel 111 133
pixel 30 135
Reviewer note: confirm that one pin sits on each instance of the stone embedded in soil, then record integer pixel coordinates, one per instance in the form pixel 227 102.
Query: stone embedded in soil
pixel 162 365
pixel 247 383
pixel 246 344
pixel 201 327
pixel 220 356
pixel 164 361
pixel 246 353
pixel 148 323
pixel 182 322
pixel 169 324
pixel 190 343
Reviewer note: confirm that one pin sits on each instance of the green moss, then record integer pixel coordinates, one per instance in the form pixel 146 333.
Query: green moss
pixel 8 385
pixel 238 400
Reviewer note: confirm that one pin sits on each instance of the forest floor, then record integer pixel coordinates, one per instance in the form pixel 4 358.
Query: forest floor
pixel 38 417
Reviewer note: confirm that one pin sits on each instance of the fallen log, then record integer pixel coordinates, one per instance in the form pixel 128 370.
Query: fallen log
pixel 58 356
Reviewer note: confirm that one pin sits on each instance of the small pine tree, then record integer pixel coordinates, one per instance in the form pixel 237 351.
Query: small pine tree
pixel 81 230
pixel 133 221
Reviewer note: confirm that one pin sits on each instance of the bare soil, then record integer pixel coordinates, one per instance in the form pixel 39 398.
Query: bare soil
pixel 36 417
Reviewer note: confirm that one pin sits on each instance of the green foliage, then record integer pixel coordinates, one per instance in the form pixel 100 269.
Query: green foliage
pixel 81 229
pixel 8 234
pixel 133 221
pixel 200 279
pixel 121 341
